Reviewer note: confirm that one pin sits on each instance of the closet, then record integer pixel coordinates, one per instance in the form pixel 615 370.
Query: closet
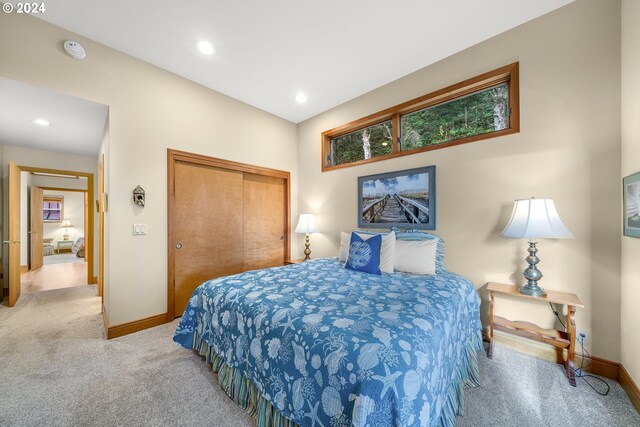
pixel 224 218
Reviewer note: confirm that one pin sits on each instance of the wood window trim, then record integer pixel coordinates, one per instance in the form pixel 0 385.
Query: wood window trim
pixel 55 199
pixel 507 74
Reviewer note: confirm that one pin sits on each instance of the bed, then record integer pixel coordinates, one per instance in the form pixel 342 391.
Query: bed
pixel 315 344
pixel 78 246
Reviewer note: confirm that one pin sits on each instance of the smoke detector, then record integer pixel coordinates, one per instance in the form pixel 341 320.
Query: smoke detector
pixel 74 49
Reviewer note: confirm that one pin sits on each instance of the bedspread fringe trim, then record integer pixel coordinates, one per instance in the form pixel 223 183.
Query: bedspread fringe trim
pixel 245 393
pixel 241 389
pixel 468 375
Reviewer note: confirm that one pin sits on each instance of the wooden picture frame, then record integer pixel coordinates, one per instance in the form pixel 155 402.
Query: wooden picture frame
pixel 403 199
pixel 631 205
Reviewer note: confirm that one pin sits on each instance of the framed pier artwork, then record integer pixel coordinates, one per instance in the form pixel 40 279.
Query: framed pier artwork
pixel 403 199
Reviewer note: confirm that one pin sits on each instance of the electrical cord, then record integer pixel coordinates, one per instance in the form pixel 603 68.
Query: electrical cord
pixel 557 315
pixel 579 373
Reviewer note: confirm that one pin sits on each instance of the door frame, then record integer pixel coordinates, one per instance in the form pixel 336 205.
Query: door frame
pixel 175 156
pixel 85 208
pixel 101 210
pixel 14 273
pixel 89 227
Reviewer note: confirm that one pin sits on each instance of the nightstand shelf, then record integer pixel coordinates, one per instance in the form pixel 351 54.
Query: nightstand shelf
pixel 558 338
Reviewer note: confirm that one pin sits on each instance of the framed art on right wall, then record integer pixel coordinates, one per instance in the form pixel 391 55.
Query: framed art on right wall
pixel 631 196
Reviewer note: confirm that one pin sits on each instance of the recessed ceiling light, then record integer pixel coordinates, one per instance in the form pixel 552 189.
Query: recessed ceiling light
pixel 41 122
pixel 205 47
pixel 301 98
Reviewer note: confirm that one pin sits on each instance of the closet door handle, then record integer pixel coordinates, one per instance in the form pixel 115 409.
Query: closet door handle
pixel 178 245
pixel 281 237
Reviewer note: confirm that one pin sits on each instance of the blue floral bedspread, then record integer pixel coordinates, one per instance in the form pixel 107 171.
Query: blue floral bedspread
pixel 328 346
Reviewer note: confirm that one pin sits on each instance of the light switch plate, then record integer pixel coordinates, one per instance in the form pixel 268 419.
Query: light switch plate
pixel 139 229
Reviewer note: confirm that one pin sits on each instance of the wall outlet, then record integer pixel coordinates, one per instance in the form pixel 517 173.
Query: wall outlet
pixel 582 337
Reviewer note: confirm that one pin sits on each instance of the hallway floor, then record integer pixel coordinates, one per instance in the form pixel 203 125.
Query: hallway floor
pixel 54 276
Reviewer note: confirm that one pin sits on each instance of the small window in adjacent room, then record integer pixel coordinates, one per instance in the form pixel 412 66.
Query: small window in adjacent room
pixel 485 106
pixel 52 209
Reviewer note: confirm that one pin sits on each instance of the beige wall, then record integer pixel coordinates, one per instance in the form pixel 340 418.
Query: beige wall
pixel 150 110
pixel 630 165
pixel 568 149
pixel 52 181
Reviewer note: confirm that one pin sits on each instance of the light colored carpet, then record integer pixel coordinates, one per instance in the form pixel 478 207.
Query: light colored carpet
pixel 56 369
pixel 61 258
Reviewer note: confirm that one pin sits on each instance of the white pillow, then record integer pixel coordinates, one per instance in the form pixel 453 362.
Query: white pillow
pixel 416 256
pixel 387 250
pixel 345 239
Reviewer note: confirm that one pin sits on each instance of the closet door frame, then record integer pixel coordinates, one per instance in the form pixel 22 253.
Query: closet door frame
pixel 174 156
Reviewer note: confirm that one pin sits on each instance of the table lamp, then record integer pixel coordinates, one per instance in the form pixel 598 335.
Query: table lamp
pixel 307 225
pixel 66 223
pixel 534 218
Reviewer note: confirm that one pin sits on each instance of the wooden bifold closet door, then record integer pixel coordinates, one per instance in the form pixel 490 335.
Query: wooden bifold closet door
pixel 224 218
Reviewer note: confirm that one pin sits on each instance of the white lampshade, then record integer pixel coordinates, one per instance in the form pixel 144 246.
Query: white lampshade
pixel 535 218
pixel 66 223
pixel 307 224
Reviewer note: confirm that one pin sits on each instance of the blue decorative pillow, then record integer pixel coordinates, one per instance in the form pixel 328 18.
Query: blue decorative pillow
pixel 364 255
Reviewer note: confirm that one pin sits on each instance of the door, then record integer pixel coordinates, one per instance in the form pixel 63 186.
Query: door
pixel 14 234
pixel 36 228
pixel 207 227
pixel 265 204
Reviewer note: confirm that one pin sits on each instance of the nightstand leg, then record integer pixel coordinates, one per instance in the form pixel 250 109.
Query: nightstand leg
pixel 491 301
pixel 571 332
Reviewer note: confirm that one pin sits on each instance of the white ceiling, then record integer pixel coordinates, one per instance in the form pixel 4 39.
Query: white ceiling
pixel 268 51
pixel 77 124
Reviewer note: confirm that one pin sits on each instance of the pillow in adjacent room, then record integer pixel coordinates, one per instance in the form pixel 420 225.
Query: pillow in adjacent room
pixel 416 256
pixel 386 252
pixel 364 255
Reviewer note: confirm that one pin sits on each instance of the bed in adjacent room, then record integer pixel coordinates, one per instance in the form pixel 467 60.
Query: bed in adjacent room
pixel 316 344
pixel 78 246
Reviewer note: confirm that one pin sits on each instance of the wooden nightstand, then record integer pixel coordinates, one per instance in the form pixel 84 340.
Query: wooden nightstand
pixel 293 261
pixel 559 339
pixel 64 244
